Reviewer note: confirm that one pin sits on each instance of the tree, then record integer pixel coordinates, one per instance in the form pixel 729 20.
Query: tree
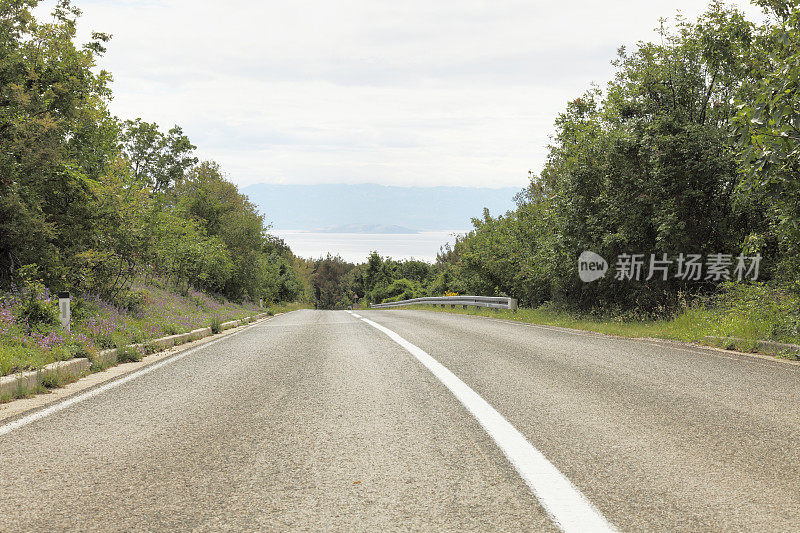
pixel 644 166
pixel 157 160
pixel 56 139
pixel 330 283
pixel 768 132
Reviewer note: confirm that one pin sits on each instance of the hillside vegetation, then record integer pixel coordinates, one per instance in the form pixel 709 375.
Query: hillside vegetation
pixel 120 213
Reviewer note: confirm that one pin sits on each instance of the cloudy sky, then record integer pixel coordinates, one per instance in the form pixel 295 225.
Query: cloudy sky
pixel 400 93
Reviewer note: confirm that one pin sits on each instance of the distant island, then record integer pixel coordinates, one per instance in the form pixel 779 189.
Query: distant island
pixel 368 228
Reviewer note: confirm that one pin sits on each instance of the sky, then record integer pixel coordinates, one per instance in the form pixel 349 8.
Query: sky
pixel 410 93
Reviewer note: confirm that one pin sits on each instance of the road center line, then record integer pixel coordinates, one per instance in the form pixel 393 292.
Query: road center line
pixel 38 415
pixel 569 509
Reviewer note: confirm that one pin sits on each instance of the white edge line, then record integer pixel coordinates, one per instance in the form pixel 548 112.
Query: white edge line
pixel 569 509
pixel 38 415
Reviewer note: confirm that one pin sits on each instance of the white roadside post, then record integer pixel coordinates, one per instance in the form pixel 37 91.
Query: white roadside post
pixel 64 313
pixel 261 302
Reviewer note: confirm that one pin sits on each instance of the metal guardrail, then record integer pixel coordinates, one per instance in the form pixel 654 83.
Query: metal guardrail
pixel 493 302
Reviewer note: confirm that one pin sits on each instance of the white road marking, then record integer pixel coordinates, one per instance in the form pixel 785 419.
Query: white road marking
pixel 307 324
pixel 38 415
pixel 569 509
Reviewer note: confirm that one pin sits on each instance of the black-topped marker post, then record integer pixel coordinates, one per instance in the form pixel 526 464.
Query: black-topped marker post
pixel 64 313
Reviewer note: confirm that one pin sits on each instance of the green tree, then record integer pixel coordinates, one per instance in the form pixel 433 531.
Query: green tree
pixel 331 286
pixel 157 160
pixel 56 139
pixel 768 132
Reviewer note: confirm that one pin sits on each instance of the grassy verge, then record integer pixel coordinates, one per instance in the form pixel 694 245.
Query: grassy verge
pixel 751 313
pixel 154 312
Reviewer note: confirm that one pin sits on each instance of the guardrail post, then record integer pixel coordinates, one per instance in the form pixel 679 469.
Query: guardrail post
pixel 492 302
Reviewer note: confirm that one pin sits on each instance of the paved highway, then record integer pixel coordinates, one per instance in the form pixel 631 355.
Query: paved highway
pixel 414 420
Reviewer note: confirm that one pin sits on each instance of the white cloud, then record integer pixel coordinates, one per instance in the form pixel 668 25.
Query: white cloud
pixel 402 93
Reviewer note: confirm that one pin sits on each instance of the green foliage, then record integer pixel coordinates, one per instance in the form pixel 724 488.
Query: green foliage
pixel 158 160
pixel 129 354
pixel 399 289
pixel 216 325
pixel 767 128
pixel 94 201
pixel 648 169
pixel 54 136
pixel 52 380
pixel 382 278
pixel 151 347
pixel 332 288
pixel 35 309
pixel 100 325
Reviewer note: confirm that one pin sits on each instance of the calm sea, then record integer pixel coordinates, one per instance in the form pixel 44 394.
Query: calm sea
pixel 355 247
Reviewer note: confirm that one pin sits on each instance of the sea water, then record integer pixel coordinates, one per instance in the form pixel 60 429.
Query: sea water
pixel 356 247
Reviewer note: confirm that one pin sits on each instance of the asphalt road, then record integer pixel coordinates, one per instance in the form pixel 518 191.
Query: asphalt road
pixel 316 420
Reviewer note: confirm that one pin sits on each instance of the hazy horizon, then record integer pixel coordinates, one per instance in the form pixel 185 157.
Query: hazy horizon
pixel 323 206
pixel 356 247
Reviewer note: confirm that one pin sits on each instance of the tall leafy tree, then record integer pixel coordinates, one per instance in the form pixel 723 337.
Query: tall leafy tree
pixel 56 138
pixel 157 160
pixel 768 131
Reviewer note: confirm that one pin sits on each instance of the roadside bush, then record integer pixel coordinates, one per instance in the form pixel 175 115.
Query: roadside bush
pixel 137 336
pixel 129 354
pixel 10 356
pixel 133 301
pixel 36 312
pixel 759 311
pixel 106 340
pixel 151 348
pixel 216 325
pixel 76 349
pixel 52 381
pixel 35 308
pixel 401 289
pixel 80 309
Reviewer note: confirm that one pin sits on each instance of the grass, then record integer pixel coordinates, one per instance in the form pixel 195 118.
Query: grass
pixel 129 354
pixel 746 313
pixel 98 325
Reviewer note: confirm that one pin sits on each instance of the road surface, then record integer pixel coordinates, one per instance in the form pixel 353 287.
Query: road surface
pixel 324 420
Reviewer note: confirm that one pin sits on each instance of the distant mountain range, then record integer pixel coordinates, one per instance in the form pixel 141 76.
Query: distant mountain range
pixel 371 208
